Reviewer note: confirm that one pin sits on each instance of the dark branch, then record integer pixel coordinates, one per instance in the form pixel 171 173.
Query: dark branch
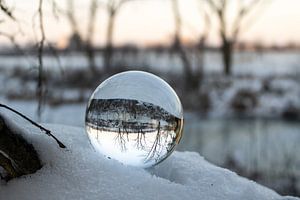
pixel 90 35
pixel 40 89
pixel 242 14
pixel 12 39
pixel 6 10
pixel 71 17
pixel 213 5
pixel 56 56
pixel 48 132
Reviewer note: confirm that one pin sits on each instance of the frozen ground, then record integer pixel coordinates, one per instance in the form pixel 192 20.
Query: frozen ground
pixel 254 63
pixel 81 173
pixel 272 87
pixel 269 97
pixel 264 84
pixel 269 148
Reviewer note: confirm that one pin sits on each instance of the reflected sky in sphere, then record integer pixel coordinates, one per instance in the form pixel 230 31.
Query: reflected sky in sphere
pixel 134 117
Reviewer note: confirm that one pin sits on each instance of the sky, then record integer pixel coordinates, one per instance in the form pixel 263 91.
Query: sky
pixel 147 22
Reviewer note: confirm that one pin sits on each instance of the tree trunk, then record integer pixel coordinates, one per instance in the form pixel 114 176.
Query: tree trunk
pixel 17 156
pixel 191 78
pixel 227 56
pixel 108 53
pixel 90 52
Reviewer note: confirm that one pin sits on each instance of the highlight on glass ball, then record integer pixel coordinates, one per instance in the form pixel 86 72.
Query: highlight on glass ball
pixel 134 117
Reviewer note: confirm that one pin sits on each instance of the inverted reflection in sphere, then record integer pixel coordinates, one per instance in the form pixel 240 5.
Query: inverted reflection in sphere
pixel 134 117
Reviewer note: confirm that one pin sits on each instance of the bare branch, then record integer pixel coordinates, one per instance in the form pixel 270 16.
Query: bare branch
pixel 71 17
pixel 227 32
pixel 221 13
pixel 40 89
pixel 190 78
pixel 48 132
pixel 177 17
pixel 112 7
pixel 55 9
pixel 93 11
pixel 90 35
pixel 245 9
pixel 123 2
pixel 214 5
pixel 260 9
pixel 10 37
pixel 6 10
pixel 56 56
pixel 243 12
pixel 207 24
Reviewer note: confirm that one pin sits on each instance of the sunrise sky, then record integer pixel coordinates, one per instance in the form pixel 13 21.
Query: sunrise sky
pixel 147 22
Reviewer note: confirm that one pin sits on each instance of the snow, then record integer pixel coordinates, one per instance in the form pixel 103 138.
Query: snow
pixel 282 93
pixel 80 173
pixel 256 63
pixel 187 174
pixel 272 77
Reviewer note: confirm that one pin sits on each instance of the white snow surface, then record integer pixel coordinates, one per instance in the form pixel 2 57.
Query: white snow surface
pixel 79 172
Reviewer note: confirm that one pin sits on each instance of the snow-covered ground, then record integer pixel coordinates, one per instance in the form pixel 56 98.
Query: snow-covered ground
pixel 253 63
pixel 267 147
pixel 80 173
pixel 254 96
pixel 269 84
pixel 269 97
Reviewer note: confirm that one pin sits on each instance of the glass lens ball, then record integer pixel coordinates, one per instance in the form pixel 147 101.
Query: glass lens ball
pixel 134 117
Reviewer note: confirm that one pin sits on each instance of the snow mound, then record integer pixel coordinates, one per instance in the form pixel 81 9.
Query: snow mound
pixel 81 173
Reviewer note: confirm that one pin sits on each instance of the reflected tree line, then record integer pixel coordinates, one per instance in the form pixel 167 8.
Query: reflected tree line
pixel 149 127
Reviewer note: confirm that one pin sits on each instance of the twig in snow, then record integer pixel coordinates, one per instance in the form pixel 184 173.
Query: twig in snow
pixel 48 132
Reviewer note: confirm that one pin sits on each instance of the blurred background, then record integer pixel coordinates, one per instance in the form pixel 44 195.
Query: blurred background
pixel 235 64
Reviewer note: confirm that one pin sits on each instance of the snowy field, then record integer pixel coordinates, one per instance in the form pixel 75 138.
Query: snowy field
pixel 270 63
pixel 264 147
pixel 81 173
pixel 263 84
pixel 267 147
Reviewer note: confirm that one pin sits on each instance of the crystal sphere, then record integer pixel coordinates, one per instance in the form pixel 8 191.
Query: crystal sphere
pixel 134 117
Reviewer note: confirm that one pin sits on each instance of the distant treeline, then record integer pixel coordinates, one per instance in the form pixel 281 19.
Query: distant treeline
pixel 131 48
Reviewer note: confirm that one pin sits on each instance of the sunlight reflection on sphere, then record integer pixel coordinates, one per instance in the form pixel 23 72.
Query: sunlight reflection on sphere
pixel 134 117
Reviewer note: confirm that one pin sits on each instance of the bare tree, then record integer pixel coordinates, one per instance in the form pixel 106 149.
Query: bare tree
pixel 112 7
pixel 40 88
pixel 40 83
pixel 6 10
pixel 230 29
pixel 76 37
pixel 17 156
pixel 200 46
pixel 90 35
pixel 192 77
